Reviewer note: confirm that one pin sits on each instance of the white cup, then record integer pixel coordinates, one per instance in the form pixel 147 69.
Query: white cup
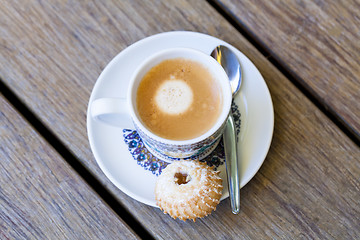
pixel 122 112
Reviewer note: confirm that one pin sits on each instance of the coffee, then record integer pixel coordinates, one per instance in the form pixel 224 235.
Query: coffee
pixel 179 99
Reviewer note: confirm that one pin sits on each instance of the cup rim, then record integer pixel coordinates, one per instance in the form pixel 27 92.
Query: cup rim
pixel 211 64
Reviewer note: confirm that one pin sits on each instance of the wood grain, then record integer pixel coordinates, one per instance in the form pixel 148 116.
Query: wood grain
pixel 41 197
pixel 318 41
pixel 53 51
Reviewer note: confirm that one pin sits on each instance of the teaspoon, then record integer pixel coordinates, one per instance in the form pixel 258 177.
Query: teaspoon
pixel 229 61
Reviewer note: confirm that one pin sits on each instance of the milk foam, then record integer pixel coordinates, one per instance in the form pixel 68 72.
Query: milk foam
pixel 174 96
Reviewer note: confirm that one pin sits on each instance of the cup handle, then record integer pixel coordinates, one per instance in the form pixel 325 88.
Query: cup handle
pixel 112 111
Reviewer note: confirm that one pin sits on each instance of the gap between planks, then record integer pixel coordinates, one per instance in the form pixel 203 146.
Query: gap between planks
pixel 286 71
pixel 91 180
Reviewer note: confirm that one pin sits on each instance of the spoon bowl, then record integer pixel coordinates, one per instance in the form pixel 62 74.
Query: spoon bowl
pixel 229 61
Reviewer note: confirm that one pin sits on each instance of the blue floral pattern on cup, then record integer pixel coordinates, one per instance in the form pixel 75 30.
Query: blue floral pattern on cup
pixel 169 153
pixel 149 162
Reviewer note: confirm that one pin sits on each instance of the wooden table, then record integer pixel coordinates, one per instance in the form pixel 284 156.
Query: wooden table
pixel 52 52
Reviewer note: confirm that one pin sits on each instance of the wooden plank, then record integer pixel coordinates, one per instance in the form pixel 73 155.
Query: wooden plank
pixel 53 51
pixel 41 196
pixel 318 41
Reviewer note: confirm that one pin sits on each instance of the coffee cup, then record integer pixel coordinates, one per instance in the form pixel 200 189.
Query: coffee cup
pixel 178 101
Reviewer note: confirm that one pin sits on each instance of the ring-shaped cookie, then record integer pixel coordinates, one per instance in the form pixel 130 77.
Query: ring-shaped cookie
pixel 188 190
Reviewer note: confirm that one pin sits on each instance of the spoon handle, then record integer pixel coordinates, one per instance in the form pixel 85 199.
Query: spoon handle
pixel 232 164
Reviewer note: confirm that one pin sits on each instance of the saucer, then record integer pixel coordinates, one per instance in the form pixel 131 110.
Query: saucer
pixel 112 153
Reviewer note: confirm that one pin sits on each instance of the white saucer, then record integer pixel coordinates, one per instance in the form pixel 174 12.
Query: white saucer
pixel 109 149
